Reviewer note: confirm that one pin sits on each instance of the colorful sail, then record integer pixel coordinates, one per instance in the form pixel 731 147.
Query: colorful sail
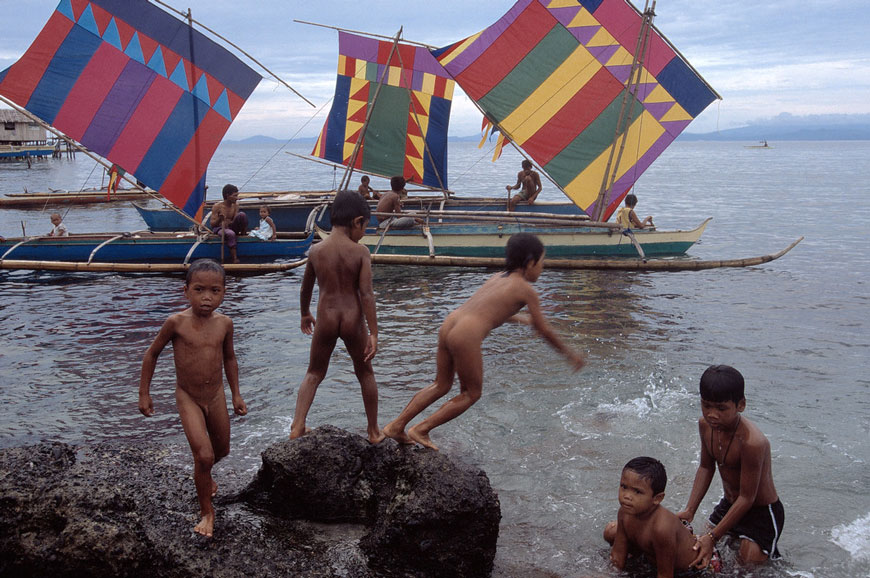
pixel 135 85
pixel 407 130
pixel 553 74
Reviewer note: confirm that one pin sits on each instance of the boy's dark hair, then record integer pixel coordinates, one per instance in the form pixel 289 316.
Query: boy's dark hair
pixel 651 470
pixel 204 265
pixel 527 164
pixel 229 190
pixel 522 249
pixel 365 179
pixel 630 200
pixel 397 183
pixel 721 383
pixel 347 206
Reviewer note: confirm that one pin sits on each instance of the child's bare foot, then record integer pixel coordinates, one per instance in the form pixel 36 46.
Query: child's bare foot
pixel 297 434
pixel 391 430
pixel 421 438
pixel 376 437
pixel 205 526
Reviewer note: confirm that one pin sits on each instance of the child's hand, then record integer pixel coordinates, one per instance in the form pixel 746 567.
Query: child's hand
pixel 521 318
pixel 146 406
pixel 371 348
pixel 686 516
pixel 308 324
pixel 577 361
pixel 239 405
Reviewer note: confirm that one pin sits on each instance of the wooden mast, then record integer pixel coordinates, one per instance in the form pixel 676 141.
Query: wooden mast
pixel 630 94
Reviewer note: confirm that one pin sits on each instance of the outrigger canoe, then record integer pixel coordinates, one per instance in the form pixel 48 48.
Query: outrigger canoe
pixel 561 242
pixel 147 247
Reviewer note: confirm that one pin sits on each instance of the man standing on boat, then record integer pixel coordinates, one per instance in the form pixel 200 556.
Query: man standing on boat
pixel 228 220
pixel 529 185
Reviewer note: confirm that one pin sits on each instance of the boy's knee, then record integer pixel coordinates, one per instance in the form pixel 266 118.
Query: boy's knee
pixel 610 532
pixel 473 395
pixel 204 459
pixel 751 553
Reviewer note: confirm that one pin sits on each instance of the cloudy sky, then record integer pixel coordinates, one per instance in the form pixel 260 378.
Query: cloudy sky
pixel 763 58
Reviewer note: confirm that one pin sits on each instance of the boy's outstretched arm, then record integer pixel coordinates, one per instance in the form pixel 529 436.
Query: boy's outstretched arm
pixel 703 477
pixel 149 363
pixel 305 293
pixel 231 367
pixel 542 326
pixel 367 300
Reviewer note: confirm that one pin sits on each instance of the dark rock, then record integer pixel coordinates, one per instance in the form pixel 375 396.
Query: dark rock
pixel 329 504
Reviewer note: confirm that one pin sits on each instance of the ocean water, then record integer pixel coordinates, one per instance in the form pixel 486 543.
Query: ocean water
pixel 552 442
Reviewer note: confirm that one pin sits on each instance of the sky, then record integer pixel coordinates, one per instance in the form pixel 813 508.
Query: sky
pixel 764 58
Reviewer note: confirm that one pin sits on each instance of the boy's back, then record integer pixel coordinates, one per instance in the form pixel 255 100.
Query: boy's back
pixel 662 537
pixel 338 263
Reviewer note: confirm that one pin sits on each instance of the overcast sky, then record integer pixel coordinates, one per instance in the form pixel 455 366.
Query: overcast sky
pixel 763 58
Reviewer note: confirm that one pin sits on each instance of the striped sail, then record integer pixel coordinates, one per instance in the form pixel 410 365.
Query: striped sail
pixel 554 76
pixel 407 130
pixel 135 85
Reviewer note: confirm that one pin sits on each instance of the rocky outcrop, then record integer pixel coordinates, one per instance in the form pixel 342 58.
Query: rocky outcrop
pixel 328 504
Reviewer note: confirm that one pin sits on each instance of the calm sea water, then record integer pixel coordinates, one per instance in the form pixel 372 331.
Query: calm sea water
pixel 553 443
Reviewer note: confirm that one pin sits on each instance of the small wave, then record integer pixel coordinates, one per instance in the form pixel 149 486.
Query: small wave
pixel 854 538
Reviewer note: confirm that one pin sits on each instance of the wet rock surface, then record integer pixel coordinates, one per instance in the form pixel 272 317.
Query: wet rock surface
pixel 328 504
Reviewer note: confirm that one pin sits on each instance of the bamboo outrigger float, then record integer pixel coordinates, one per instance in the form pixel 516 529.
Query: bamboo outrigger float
pixel 156 268
pixel 676 264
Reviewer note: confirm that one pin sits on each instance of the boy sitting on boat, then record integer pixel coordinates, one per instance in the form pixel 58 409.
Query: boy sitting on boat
pixel 627 218
pixel 529 185
pixel 228 220
pixel 391 202
pixel 58 229
pixel 345 306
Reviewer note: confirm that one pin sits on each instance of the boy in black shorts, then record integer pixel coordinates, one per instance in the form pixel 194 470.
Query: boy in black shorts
pixel 750 510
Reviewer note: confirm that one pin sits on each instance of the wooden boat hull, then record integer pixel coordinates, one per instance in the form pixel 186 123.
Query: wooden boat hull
pixel 146 247
pixel 40 200
pixel 293 215
pixel 21 151
pixel 561 242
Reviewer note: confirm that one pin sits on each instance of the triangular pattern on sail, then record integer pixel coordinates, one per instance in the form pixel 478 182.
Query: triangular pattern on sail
pixel 135 85
pixel 553 74
pixel 407 130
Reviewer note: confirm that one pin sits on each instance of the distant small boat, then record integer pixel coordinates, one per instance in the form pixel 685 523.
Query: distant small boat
pixel 762 144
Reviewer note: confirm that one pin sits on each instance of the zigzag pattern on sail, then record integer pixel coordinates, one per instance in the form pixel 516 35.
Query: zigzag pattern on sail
pixel 553 74
pixel 135 85
pixel 407 130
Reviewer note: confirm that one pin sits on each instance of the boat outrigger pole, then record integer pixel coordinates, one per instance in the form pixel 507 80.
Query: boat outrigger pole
pixel 628 101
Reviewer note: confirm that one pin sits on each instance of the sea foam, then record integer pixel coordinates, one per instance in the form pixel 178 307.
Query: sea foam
pixel 854 538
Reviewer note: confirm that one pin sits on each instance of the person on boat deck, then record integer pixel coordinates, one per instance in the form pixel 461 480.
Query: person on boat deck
pixel 644 527
pixel 59 229
pixel 498 301
pixel 265 230
pixel 391 202
pixel 227 218
pixel 365 190
pixel 529 185
pixel 750 510
pixel 342 269
pixel 627 218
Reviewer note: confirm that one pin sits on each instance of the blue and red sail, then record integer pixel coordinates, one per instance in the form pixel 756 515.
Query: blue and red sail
pixel 137 86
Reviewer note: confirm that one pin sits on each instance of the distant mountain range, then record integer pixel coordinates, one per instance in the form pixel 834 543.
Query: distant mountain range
pixel 779 128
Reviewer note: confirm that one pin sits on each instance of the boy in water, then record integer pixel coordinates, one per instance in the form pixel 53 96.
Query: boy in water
pixel 750 509
pixel 628 219
pixel 462 333
pixel 644 526
pixel 202 345
pixel 343 271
